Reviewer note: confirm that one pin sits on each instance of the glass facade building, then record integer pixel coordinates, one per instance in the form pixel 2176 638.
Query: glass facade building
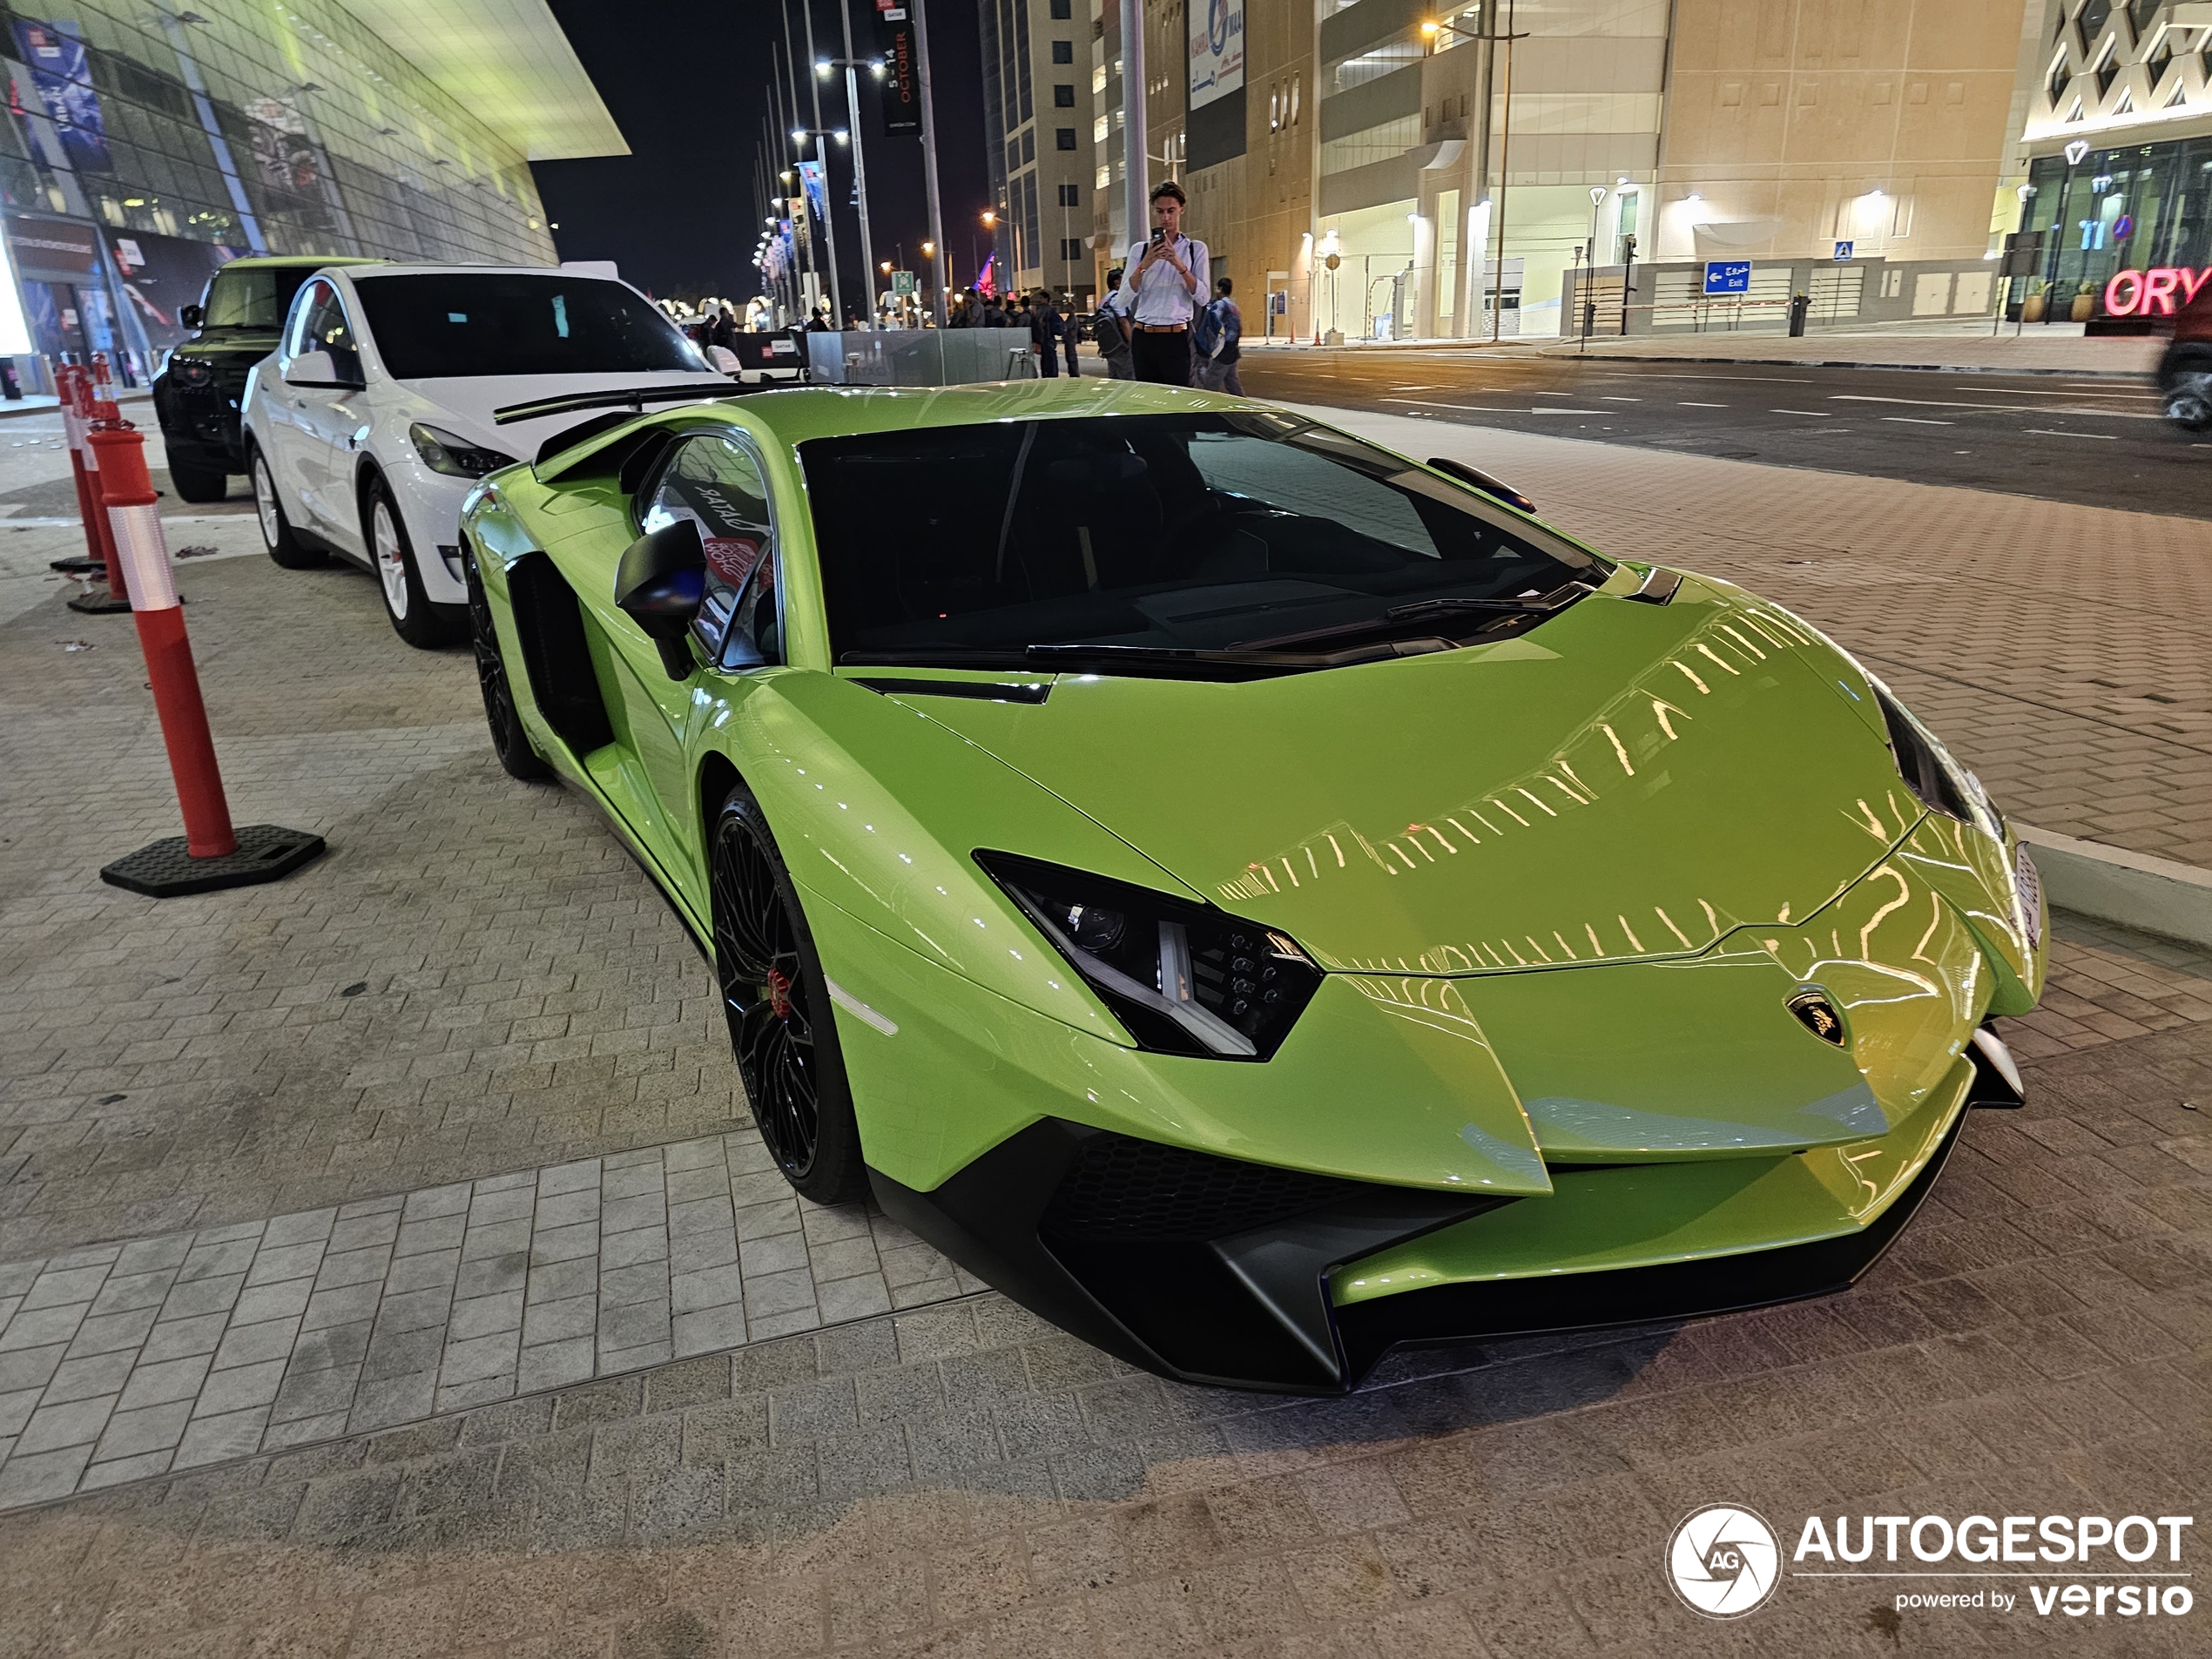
pixel 2135 207
pixel 144 148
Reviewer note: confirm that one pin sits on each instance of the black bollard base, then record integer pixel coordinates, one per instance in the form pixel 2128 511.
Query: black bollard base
pixel 97 601
pixel 165 870
pixel 78 565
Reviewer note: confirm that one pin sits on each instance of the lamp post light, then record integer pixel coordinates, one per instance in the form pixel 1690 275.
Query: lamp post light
pixel 799 135
pixel 874 66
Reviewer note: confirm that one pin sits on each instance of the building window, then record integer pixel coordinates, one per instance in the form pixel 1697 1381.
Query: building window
pixel 1384 142
pixel 1029 146
pixel 1063 52
pixel 1064 138
pixel 1012 154
pixel 1068 196
pixel 1071 249
pixel 1064 96
pixel 1063 10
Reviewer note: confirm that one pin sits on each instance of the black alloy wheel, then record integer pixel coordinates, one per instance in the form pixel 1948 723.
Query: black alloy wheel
pixel 198 484
pixel 777 1003
pixel 508 741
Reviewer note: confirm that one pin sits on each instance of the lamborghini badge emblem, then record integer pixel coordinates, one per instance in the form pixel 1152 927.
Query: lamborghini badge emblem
pixel 1818 1015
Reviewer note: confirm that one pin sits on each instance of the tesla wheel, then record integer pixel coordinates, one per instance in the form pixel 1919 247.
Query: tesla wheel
pixel 417 620
pixel 199 483
pixel 283 546
pixel 777 1002
pixel 508 741
pixel 2189 405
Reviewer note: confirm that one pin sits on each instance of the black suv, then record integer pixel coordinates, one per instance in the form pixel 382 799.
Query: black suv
pixel 196 394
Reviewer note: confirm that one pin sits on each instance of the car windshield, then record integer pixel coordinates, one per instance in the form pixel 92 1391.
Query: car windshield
pixel 253 296
pixel 1253 532
pixel 450 327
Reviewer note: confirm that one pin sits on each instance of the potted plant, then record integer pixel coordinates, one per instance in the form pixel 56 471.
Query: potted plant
pixel 2031 307
pixel 2085 302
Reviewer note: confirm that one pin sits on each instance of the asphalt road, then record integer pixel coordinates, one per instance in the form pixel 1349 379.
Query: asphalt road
pixel 2099 442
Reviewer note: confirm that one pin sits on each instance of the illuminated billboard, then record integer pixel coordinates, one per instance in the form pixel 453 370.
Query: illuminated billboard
pixel 1217 48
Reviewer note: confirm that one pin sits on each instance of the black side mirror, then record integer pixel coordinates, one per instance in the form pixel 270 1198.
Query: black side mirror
pixel 1475 477
pixel 191 316
pixel 659 586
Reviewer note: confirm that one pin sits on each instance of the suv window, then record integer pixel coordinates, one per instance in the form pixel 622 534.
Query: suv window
pixel 475 323
pixel 258 297
pixel 715 482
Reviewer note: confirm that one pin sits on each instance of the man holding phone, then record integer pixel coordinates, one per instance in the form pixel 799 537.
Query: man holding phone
pixel 1161 287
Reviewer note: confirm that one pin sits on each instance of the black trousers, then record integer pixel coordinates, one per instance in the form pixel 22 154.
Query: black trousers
pixel 1164 359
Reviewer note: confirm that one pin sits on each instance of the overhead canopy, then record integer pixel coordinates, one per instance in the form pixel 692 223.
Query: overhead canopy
pixel 508 64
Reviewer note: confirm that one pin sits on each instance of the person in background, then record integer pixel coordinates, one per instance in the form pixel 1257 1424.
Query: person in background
pixel 725 332
pixel 1045 325
pixel 1071 334
pixel 993 313
pixel 819 323
pixel 1109 328
pixel 1165 280
pixel 1218 372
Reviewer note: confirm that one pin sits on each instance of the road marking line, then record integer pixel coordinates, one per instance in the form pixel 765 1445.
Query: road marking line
pixel 2046 432
pixel 1818 414
pixel 1700 406
pixel 1536 394
pixel 1570 411
pixel 1477 409
pixel 1907 420
pixel 1606 397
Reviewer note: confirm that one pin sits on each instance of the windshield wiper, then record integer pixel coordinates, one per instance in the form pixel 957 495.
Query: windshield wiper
pixel 1427 610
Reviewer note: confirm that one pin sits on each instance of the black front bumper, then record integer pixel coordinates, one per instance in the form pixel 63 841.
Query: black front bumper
pixel 1210 1270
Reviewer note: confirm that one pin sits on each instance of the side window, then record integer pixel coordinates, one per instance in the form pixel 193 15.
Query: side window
pixel 716 483
pixel 321 324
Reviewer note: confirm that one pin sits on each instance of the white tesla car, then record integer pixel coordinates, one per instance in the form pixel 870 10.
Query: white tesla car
pixel 395 387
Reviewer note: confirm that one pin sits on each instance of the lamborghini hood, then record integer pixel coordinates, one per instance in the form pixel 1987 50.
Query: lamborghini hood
pixel 1627 781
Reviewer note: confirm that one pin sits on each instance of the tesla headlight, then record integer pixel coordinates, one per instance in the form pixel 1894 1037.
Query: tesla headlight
pixel 455 457
pixel 1183 978
pixel 1930 772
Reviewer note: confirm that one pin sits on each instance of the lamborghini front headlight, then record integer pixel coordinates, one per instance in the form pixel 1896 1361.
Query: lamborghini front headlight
pixel 1181 978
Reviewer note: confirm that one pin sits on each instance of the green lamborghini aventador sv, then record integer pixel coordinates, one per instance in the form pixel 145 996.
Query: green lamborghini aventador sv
pixel 1256 899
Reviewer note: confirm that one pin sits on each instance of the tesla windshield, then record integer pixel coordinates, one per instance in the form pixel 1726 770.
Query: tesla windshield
pixel 253 296
pixel 1139 539
pixel 463 325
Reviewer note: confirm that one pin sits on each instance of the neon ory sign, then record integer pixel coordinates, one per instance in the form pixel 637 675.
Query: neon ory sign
pixel 2158 293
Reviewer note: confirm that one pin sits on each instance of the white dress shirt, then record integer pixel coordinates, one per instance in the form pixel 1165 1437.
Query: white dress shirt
pixel 1161 298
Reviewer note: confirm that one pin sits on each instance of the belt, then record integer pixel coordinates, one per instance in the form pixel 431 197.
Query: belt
pixel 1161 327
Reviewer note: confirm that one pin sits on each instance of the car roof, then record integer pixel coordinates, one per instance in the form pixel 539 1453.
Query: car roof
pixel 388 268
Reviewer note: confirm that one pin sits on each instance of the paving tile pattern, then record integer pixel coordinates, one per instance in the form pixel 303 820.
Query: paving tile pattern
pixel 961 1479
pixel 2058 649
pixel 120 1361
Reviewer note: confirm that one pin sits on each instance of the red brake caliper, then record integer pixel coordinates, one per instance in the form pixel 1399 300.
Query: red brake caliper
pixel 780 992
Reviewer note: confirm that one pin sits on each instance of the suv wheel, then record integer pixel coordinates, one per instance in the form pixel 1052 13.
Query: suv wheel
pixel 417 620
pixel 283 546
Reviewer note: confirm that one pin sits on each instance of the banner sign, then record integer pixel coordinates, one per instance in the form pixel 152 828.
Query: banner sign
pixel 894 33
pixel 162 274
pixel 2157 292
pixel 54 250
pixel 55 56
pixel 1217 48
pixel 810 178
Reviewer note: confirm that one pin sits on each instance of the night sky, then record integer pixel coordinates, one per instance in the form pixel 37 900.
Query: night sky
pixel 686 80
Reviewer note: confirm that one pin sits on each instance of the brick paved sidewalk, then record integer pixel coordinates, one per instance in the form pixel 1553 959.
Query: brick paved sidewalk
pixel 2059 650
pixel 965 1480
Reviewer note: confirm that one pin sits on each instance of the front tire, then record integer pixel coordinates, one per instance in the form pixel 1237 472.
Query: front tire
pixel 286 549
pixel 415 619
pixel 508 741
pixel 776 1000
pixel 198 484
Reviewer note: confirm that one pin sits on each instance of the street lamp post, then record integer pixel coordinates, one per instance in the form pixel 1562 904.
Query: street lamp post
pixel 874 66
pixel 929 160
pixel 829 213
pixel 1505 144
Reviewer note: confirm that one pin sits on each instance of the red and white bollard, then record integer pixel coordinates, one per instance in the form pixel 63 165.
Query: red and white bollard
pixel 210 854
pixel 73 385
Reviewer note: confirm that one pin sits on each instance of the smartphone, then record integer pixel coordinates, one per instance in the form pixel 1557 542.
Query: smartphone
pixel 1159 235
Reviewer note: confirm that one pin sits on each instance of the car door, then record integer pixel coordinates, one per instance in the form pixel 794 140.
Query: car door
pixel 716 480
pixel 324 419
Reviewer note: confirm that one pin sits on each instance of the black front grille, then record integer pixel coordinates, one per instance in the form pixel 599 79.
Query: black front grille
pixel 1127 1189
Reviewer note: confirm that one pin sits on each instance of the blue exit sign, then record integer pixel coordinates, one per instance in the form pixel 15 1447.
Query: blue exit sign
pixel 1728 276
